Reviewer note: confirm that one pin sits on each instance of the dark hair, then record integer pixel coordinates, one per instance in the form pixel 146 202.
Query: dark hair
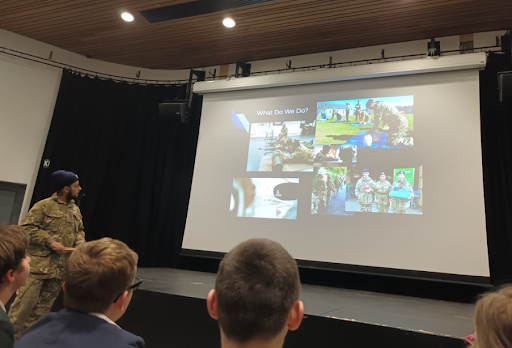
pixel 13 245
pixel 257 284
pixel 97 272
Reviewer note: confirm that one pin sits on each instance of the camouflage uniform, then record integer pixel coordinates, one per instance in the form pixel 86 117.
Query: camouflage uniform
pixel 320 192
pixel 330 190
pixel 399 133
pixel 347 112
pixel 337 184
pixel 400 205
pixel 321 156
pixel 364 193
pixel 283 134
pixel 382 195
pixel 49 220
pixel 301 153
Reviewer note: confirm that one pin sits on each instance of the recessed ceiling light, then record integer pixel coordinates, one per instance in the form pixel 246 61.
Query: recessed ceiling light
pixel 228 22
pixel 127 17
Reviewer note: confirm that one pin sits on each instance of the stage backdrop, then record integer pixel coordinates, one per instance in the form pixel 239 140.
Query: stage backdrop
pixel 134 166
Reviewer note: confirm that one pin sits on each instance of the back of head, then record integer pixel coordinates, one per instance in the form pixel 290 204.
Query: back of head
pixel 97 273
pixel 493 319
pixel 13 244
pixel 257 284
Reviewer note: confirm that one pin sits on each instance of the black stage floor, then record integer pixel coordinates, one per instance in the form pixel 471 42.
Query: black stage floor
pixel 333 316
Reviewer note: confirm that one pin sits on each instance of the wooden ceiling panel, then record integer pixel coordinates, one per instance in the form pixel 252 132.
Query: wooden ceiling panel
pixel 276 29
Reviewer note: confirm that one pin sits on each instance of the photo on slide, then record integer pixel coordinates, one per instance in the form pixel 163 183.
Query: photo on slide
pixel 333 155
pixel 281 146
pixel 385 122
pixel 269 198
pixel 381 189
pixel 328 190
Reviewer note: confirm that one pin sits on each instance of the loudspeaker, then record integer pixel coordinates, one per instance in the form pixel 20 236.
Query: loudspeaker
pixel 171 109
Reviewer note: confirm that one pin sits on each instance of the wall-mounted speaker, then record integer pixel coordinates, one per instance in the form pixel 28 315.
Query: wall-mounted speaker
pixel 173 109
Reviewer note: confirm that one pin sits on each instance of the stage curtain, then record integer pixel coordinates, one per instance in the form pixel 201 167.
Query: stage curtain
pixel 135 167
pixel 496 125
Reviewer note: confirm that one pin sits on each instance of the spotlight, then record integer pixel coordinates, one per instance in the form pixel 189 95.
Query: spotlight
pixel 127 17
pixel 228 22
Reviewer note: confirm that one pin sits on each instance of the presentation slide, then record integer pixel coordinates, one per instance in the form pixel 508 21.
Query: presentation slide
pixel 380 172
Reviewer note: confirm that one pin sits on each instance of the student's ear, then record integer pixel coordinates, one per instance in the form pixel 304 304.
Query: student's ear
pixel 121 302
pixel 295 316
pixel 8 277
pixel 211 304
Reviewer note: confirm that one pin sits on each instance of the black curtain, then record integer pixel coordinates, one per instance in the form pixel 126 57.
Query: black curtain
pixel 135 167
pixel 496 126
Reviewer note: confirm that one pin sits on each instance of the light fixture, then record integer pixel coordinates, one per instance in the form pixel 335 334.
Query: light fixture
pixel 128 17
pixel 228 22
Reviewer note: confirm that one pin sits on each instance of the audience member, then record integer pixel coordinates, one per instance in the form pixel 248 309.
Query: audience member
pixel 493 320
pixel 14 271
pixel 256 295
pixel 98 286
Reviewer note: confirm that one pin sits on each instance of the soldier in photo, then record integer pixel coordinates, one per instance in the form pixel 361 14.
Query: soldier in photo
pixel 54 225
pixel 399 133
pixel 382 188
pixel 336 114
pixel 324 155
pixel 330 189
pixel 299 153
pixel 283 134
pixel 337 184
pixel 365 192
pixel 320 192
pixel 400 205
pixel 347 111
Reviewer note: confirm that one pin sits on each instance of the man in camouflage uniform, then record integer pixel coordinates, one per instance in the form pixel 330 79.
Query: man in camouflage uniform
pixel 320 193
pixel 330 189
pixel 325 154
pixel 337 185
pixel 299 153
pixel 382 188
pixel 347 111
pixel 364 192
pixel 53 224
pixel 399 133
pixel 400 205
pixel 284 133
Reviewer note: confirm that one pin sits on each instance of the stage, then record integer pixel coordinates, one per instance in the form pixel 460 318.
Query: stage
pixel 169 310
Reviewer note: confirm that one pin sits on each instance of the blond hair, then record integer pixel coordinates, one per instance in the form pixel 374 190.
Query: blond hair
pixel 97 273
pixel 493 319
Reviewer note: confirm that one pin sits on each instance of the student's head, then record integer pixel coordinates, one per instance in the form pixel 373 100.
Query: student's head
pixel 66 184
pixel 401 175
pixel 329 178
pixel 256 295
pixel 493 319
pixel 320 177
pixel 326 149
pixel 382 177
pixel 366 173
pixel 99 278
pixel 370 104
pixel 14 264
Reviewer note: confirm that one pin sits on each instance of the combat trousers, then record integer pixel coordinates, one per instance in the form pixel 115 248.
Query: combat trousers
pixel 366 208
pixel 33 301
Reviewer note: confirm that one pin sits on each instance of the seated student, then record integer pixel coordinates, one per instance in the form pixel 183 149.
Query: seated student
pixel 256 295
pixel 14 271
pixel 98 286
pixel 493 324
